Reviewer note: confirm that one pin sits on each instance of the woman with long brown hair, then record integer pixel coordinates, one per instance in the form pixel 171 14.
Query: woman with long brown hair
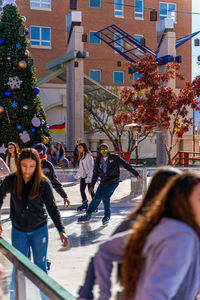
pixel 31 199
pixel 162 252
pixel 85 172
pixel 12 157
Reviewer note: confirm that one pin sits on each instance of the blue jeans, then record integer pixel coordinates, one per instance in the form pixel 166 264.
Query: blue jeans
pixel 103 193
pixel 38 241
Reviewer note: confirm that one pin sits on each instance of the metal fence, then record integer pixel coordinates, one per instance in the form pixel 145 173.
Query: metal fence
pixel 25 271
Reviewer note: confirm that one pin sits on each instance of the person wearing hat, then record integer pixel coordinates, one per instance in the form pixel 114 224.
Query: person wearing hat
pixel 48 170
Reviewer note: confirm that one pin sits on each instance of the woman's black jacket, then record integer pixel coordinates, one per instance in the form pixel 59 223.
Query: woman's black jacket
pixel 28 215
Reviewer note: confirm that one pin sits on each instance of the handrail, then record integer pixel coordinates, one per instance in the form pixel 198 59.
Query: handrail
pixel 44 282
pixel 186 159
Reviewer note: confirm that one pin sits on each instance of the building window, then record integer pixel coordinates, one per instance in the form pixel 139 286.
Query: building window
pixel 118 42
pixel 119 9
pixel 95 3
pixel 138 37
pixel 95 75
pixel 138 9
pixel 93 38
pixel 167 10
pixel 137 75
pixel 118 77
pixel 45 4
pixel 40 36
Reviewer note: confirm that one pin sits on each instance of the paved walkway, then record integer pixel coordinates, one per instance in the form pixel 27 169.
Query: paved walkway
pixel 68 266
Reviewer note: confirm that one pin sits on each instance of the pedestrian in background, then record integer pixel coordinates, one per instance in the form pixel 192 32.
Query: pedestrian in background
pixel 61 160
pixel 107 167
pixel 12 157
pixel 31 199
pixel 49 171
pixel 76 152
pixel 162 252
pixel 51 156
pixel 85 172
pixel 114 247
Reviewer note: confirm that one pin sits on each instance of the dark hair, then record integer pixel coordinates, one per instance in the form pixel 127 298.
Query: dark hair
pixel 158 182
pixel 172 202
pixel 38 176
pixel 86 150
pixel 49 150
pixel 16 153
pixel 61 151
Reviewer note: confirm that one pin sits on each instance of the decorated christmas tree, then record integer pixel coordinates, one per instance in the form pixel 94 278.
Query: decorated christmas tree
pixel 22 118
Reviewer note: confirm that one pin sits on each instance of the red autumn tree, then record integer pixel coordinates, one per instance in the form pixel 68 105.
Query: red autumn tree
pixel 157 105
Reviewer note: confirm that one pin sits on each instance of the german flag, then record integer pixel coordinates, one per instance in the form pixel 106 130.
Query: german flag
pixel 58 128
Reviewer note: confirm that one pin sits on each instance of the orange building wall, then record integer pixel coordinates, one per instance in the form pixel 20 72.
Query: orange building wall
pixel 101 56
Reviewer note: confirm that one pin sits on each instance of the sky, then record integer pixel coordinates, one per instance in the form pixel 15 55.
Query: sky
pixel 196 50
pixel 195 27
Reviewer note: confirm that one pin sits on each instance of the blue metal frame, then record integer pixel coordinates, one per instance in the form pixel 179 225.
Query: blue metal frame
pixel 131 47
pixel 186 38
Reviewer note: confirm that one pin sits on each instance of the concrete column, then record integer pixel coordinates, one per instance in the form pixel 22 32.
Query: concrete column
pixel 167 47
pixel 75 90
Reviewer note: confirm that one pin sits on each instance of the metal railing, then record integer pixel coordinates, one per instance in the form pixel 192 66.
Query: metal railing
pixel 24 268
pixel 70 155
pixel 186 159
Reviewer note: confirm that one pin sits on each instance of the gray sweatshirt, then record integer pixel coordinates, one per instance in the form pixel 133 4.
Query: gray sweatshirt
pixel 171 268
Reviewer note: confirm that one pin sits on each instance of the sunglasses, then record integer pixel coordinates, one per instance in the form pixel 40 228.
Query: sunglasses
pixel 104 150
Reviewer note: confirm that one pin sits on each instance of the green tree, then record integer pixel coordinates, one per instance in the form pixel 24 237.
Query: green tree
pixel 99 113
pixel 22 116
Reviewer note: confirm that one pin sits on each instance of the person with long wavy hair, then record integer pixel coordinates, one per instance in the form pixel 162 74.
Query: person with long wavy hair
pixel 162 255
pixel 12 157
pixel 31 199
pixel 113 248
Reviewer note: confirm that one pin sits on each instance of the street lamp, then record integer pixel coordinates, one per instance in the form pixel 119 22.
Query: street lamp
pixel 136 130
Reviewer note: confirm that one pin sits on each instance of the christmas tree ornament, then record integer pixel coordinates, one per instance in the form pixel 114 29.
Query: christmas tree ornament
pixel 24 136
pixel 48 127
pixel 14 104
pixel 25 107
pixel 26 31
pixel 2 42
pixel 22 64
pixel 36 90
pixel 45 140
pixel 19 127
pixel 7 93
pixel 23 19
pixel 9 2
pixel 18 46
pixel 8 58
pixel 42 122
pixel 3 149
pixel 14 82
pixel 35 121
pixel 33 130
pixel 1 109
pixel 22 31
pixel 27 52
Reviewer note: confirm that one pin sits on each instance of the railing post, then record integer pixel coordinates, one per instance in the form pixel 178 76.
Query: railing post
pixel 186 159
pixel 180 163
pixel 20 285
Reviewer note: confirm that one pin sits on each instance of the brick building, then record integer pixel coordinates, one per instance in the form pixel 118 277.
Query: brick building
pixel 46 20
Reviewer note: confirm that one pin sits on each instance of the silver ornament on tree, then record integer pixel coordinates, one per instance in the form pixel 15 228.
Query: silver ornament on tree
pixel 35 121
pixel 14 82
